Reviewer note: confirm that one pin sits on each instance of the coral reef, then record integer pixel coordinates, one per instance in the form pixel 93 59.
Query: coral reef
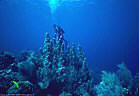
pixel 25 87
pixel 120 83
pixel 6 59
pixel 60 69
pixel 125 76
pixel 135 88
pixel 109 85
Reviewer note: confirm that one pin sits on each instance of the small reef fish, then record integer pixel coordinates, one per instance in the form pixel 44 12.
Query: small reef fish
pixel 16 84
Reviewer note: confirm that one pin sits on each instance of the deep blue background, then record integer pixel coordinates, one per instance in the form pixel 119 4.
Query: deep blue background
pixel 108 30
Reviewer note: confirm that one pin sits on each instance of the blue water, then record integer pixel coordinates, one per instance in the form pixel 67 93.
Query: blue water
pixel 108 30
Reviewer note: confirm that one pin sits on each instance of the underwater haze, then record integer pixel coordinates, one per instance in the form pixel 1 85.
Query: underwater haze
pixel 107 30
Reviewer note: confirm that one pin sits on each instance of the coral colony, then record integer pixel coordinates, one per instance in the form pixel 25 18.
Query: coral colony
pixel 60 69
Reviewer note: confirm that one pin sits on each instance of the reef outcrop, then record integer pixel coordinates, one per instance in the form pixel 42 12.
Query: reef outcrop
pixel 60 69
pixel 57 69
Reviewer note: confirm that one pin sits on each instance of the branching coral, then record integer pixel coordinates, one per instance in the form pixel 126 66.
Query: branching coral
pixel 109 85
pixel 125 76
pixel 62 64
pixel 60 69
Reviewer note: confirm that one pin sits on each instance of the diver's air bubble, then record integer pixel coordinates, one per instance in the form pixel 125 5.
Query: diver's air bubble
pixel 54 4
